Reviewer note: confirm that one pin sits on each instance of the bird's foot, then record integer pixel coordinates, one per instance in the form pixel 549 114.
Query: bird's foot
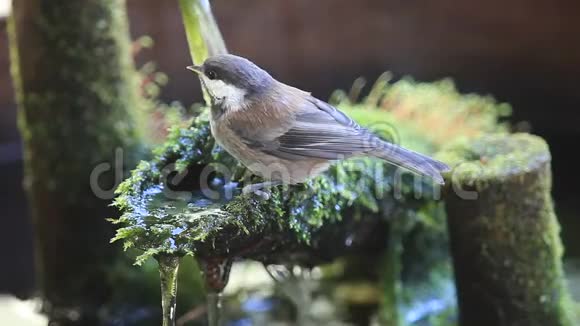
pixel 258 189
pixel 260 193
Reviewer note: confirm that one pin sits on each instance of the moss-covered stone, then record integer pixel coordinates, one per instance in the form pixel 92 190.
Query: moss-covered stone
pixel 504 233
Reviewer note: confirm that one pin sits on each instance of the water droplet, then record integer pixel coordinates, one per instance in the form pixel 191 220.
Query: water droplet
pixel 349 240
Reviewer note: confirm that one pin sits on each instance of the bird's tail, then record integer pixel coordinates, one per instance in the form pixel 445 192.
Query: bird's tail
pixel 410 160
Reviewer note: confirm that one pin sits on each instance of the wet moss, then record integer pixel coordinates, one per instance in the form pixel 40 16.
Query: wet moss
pixel 358 185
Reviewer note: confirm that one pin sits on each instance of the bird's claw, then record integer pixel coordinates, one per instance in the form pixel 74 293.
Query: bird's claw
pixel 252 190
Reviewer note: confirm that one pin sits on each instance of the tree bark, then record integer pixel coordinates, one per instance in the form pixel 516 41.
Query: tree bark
pixel 77 96
pixel 505 242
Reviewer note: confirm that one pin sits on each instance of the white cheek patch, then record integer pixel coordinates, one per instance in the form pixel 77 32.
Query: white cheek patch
pixel 230 96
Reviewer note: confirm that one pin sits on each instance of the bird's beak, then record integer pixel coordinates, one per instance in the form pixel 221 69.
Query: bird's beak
pixel 196 69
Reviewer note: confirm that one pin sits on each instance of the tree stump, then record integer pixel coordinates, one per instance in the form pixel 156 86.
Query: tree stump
pixel 504 234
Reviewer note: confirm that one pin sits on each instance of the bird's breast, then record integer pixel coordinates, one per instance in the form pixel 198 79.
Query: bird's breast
pixel 231 142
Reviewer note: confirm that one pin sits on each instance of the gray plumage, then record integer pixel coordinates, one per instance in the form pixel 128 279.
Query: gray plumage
pixel 269 126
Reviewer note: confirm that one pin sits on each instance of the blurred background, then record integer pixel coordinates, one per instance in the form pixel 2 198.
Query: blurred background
pixel 524 53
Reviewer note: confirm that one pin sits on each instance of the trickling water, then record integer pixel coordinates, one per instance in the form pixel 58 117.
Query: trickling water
pixel 214 306
pixel 168 267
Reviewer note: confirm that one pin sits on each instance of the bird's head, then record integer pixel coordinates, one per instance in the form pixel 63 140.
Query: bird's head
pixel 232 81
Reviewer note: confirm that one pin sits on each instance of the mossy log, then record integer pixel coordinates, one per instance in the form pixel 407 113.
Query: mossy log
pixel 77 94
pixel 504 233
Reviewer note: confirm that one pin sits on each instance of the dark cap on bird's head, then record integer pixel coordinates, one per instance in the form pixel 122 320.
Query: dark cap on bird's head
pixel 236 71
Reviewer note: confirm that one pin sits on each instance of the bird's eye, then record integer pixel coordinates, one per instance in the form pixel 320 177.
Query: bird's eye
pixel 211 74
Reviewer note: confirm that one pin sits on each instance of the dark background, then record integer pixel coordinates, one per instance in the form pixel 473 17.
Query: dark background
pixel 525 52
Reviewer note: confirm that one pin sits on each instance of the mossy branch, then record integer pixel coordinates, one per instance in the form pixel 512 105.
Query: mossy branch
pixel 162 216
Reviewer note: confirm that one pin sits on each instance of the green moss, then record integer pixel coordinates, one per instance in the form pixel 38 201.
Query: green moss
pixel 436 111
pixel 153 217
pixel 389 127
pixel 494 157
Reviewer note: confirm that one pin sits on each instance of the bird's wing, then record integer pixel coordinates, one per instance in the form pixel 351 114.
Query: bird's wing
pixel 318 131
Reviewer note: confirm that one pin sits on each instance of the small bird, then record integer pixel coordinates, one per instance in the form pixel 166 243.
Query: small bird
pixel 284 134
